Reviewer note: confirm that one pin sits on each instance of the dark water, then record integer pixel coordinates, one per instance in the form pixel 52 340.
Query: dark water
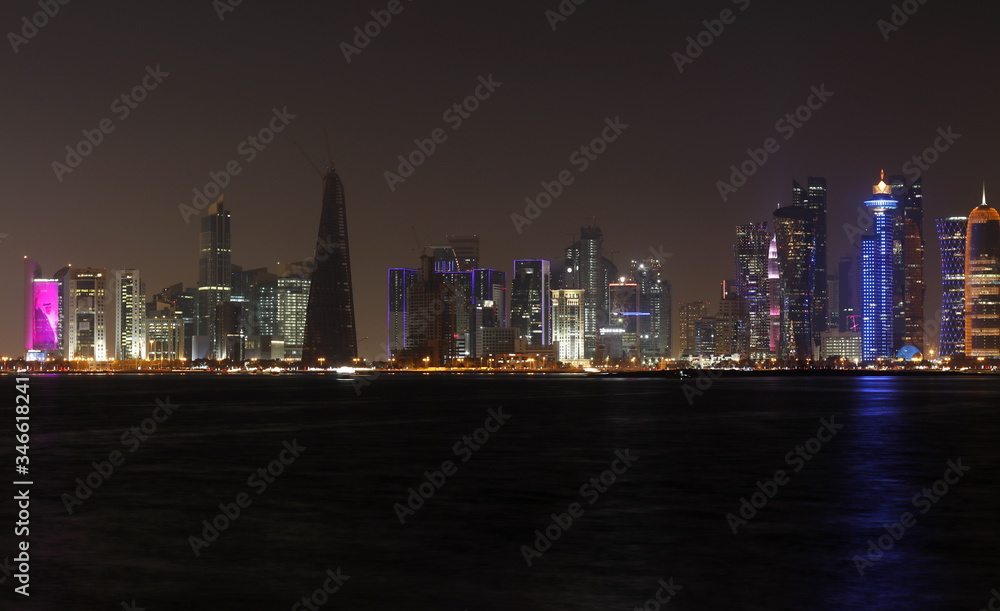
pixel 664 517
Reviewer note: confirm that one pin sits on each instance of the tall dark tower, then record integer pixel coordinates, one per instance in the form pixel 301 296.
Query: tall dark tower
pixel 215 279
pixel 814 199
pixel 331 336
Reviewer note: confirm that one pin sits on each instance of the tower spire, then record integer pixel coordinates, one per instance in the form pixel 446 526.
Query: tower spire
pixel 984 194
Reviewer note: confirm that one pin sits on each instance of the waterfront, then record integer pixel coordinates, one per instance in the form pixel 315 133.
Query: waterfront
pixel 663 517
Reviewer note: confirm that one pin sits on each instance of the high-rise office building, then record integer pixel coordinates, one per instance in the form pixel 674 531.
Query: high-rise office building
pixel 431 321
pixel 164 331
pixel 531 301
pixel 813 199
pixel 654 300
pixel 331 334
pixel 908 256
pixel 44 314
pixel 400 280
pixel 951 234
pixel 620 336
pixel 588 269
pixel 774 297
pixel 127 315
pixel 215 278
pixel 687 315
pixel 751 263
pixel 293 290
pixel 85 294
pixel 445 258
pixel 567 323
pixel 466 249
pixel 878 282
pixel 462 302
pixel 185 305
pixel 982 282
pixel 795 231
pixel 704 336
pixel 491 285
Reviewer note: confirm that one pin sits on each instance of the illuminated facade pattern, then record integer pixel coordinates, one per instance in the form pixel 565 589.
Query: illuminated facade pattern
pixel 624 321
pixel 431 317
pixel 751 259
pixel 215 277
pixel 878 288
pixel 400 280
pixel 331 333
pixel 795 231
pixel 774 297
pixel 813 199
pixel 85 298
pixel 982 283
pixel 127 313
pixel 531 301
pixel 731 335
pixel 165 333
pixel 293 300
pixel 44 314
pixel 951 237
pixel 567 323
pixel 655 299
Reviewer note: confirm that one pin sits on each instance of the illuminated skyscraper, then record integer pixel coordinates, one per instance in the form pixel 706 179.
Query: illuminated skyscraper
pixel 85 295
pixel 751 258
pixel 908 251
pixel 951 237
pixel 621 335
pixel 878 287
pixel 531 301
pixel 331 335
pixel 813 199
pixel 127 315
pixel 431 327
pixel 654 299
pixel 44 314
pixel 795 231
pixel 587 268
pixel 400 280
pixel 774 297
pixel 215 278
pixel 293 302
pixel 730 324
pixel 567 323
pixel 982 282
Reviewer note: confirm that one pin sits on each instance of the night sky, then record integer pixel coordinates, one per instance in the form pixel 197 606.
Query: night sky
pixel 655 185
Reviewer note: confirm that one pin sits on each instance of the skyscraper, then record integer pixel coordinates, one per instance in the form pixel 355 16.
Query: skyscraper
pixel 908 252
pixel 655 300
pixel 982 282
pixel 813 199
pixel 215 278
pixel 127 314
pixel 586 268
pixel 85 295
pixel 400 280
pixel 567 323
pixel 430 320
pixel 330 328
pixel 687 315
pixel 951 237
pixel 44 314
pixel 878 287
pixel 795 231
pixel 730 324
pixel 293 303
pixel 847 294
pixel 751 263
pixel 774 297
pixel 531 301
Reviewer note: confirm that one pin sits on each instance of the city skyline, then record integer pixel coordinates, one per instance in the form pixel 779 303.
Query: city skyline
pixel 655 186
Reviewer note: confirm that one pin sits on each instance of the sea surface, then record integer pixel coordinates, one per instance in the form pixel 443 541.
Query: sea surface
pixel 337 506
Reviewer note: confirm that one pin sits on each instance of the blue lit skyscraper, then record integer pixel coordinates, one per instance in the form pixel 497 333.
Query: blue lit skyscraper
pixel 951 235
pixel 877 278
pixel 400 280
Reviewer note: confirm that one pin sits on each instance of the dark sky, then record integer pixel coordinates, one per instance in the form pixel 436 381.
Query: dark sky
pixel 656 185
